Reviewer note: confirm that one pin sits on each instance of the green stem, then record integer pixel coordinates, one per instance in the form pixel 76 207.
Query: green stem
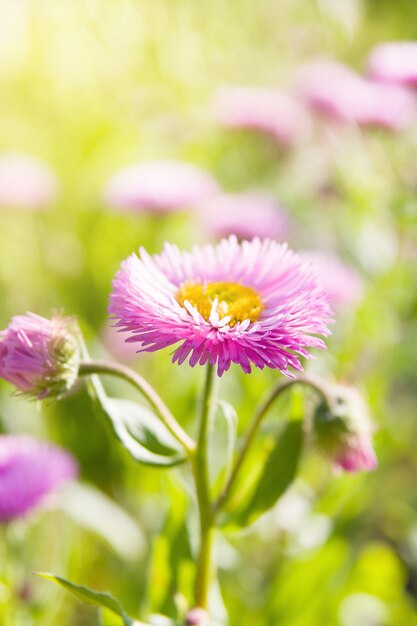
pixel 282 386
pixel 89 368
pixel 201 477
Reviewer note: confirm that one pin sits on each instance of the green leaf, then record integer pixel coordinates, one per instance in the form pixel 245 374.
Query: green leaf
pixel 108 618
pixel 172 564
pixel 222 440
pixel 278 472
pixel 138 429
pixel 88 596
pixel 95 511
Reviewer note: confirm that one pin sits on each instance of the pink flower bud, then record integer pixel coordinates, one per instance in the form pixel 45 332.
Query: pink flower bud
pixel 356 454
pixel 40 357
pixel 343 431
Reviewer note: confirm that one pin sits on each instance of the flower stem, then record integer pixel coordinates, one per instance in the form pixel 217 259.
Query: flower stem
pixel 91 367
pixel 281 387
pixel 200 470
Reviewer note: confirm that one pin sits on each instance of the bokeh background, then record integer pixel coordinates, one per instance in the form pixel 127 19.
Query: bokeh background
pixel 89 86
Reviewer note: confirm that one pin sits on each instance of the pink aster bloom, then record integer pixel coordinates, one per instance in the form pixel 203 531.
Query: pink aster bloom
pixel 25 182
pixel 342 284
pixel 246 303
pixel 246 215
pixel 339 93
pixel 159 186
pixel 38 356
pixel 265 110
pixel 394 62
pixel 30 471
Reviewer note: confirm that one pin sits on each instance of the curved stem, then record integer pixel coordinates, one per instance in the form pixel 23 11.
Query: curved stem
pixel 282 386
pixel 89 368
pixel 200 470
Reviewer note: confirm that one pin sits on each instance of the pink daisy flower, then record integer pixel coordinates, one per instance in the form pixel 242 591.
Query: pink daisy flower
pixel 342 284
pixel 336 91
pixel 38 356
pixel 159 186
pixel 30 471
pixel 394 62
pixel 265 110
pixel 25 182
pixel 246 303
pixel 246 215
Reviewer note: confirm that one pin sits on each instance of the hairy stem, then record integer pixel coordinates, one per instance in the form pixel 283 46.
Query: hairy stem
pixel 91 367
pixel 281 387
pixel 200 470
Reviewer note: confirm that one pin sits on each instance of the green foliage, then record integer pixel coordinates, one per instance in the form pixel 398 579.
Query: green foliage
pixel 222 442
pixel 170 581
pixel 279 471
pixel 276 474
pixel 139 431
pixel 88 596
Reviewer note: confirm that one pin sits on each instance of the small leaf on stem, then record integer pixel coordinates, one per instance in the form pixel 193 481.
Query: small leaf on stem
pixel 88 596
pixel 222 441
pixel 139 431
pixel 278 472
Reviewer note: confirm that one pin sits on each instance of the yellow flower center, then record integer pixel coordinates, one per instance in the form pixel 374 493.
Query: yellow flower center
pixel 234 300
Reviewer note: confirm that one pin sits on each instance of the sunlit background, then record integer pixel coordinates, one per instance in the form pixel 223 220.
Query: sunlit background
pixel 88 88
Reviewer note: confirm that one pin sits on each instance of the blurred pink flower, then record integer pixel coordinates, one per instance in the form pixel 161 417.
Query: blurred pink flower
pixel 266 110
pixel 25 182
pixel 342 284
pixel 338 92
pixel 40 357
pixel 246 215
pixel 30 470
pixel 159 186
pixel 115 343
pixel 394 62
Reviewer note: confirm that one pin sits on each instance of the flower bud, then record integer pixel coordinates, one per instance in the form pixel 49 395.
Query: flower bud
pixel 343 430
pixel 40 357
pixel 197 617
